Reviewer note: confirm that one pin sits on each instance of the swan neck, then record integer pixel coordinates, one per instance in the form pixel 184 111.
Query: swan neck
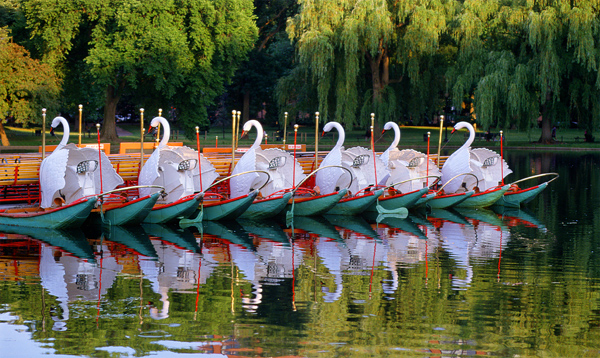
pixel 341 135
pixel 166 130
pixel 259 134
pixel 66 133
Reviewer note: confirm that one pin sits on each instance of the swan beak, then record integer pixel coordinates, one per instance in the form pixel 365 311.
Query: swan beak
pixel 453 130
pixel 323 134
pixel 383 131
pixel 243 134
pixel 151 130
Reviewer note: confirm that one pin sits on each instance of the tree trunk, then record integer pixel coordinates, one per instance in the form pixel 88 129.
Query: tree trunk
pixel 380 72
pixel 546 137
pixel 109 128
pixel 5 141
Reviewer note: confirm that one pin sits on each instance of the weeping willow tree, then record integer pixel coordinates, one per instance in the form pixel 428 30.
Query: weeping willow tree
pixel 352 51
pixel 526 60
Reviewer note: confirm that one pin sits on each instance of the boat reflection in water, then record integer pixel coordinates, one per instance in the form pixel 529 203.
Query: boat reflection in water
pixel 254 258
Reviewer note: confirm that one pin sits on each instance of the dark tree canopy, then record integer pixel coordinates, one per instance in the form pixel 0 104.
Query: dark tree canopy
pixel 177 53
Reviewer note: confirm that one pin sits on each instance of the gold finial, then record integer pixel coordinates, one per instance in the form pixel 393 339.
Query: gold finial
pixel 80 107
pixel 44 112
pixel 98 125
pixel 428 134
pixel 295 127
pixel 197 129
pixel 160 112
pixel 141 110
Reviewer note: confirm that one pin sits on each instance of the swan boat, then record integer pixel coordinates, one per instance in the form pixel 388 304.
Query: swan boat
pixel 478 170
pixel 283 189
pixel 515 196
pixel 272 172
pixel 68 216
pixel 355 168
pixel 177 170
pixel 408 170
pixel 70 173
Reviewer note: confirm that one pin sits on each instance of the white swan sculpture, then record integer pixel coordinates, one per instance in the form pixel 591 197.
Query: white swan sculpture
pixel 485 164
pixel 70 173
pixel 174 168
pixel 278 163
pixel 358 160
pixel 406 164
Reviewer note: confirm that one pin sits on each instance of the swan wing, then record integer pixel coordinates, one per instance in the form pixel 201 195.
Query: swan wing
pixel 52 176
pixel 419 166
pixel 281 167
pixel 491 167
pixel 110 178
pixel 327 179
pixel 242 184
pixel 149 172
pixel 457 163
pixel 209 172
pixel 364 167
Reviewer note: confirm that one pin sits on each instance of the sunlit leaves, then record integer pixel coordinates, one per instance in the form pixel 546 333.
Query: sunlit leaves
pixel 26 85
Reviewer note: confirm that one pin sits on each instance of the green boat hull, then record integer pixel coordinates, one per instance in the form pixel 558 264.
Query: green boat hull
pixel 266 208
pixel 229 209
pixel 72 241
pixel 448 201
pixel 131 213
pixel 423 200
pixel 133 237
pixel 64 217
pixel 182 208
pixel 394 202
pixel 514 200
pixel 483 199
pixel 356 204
pixel 316 205
pixel 182 238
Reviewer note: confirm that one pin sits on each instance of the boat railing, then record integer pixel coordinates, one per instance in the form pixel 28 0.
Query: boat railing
pixel 437 179
pixel 299 185
pixel 112 193
pixel 537 176
pixel 221 181
pixel 456 176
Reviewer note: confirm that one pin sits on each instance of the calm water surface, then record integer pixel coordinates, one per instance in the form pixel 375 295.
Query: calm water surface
pixel 515 283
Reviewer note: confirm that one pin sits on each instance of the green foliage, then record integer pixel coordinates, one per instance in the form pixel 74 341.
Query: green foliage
pixel 160 53
pixel 26 85
pixel 526 59
pixel 355 51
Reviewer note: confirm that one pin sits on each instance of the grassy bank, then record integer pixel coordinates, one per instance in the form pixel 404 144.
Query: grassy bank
pixel 411 137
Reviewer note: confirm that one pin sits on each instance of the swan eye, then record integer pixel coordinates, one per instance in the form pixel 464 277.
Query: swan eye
pixel 187 164
pixel 415 162
pixel 490 161
pixel 277 162
pixel 360 160
pixel 87 166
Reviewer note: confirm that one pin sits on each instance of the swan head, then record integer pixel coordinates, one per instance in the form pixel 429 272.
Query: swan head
pixel 249 124
pixel 388 126
pixel 330 125
pixel 156 121
pixel 56 121
pixel 461 125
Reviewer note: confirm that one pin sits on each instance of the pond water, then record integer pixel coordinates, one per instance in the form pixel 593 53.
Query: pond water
pixel 505 283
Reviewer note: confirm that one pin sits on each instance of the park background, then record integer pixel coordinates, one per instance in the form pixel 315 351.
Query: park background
pixel 519 67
